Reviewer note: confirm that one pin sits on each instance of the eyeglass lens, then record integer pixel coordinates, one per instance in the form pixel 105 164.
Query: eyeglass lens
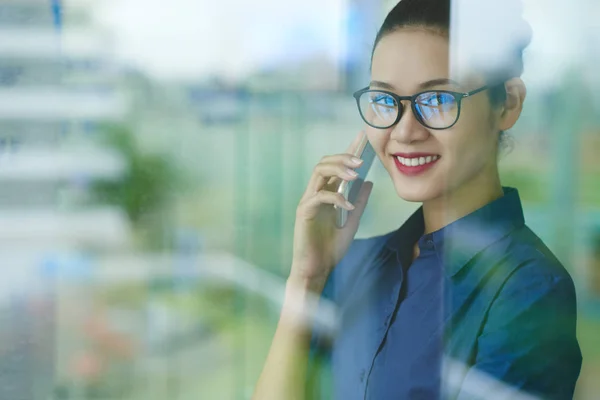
pixel 436 110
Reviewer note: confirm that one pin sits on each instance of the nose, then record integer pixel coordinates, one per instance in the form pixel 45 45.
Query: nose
pixel 408 129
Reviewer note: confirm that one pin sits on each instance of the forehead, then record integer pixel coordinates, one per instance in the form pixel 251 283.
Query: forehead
pixel 408 57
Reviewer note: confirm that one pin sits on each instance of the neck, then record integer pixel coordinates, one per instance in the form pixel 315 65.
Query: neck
pixel 461 201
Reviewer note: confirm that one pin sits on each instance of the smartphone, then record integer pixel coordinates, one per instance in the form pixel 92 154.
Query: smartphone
pixel 351 189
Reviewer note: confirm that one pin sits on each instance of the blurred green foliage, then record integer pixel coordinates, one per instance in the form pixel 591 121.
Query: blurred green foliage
pixel 531 185
pixel 145 190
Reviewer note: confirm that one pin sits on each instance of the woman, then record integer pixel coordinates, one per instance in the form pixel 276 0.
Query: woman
pixel 463 300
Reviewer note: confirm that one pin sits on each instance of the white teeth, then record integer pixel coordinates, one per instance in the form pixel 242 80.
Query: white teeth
pixel 413 162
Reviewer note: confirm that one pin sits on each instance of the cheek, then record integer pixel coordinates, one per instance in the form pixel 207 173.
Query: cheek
pixel 469 145
pixel 378 139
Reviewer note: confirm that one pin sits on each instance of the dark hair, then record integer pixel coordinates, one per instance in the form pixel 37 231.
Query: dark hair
pixel 434 15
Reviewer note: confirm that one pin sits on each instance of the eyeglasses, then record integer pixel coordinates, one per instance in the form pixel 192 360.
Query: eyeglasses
pixel 434 109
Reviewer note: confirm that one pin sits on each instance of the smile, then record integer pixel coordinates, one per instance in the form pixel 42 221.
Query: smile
pixel 415 164
pixel 416 161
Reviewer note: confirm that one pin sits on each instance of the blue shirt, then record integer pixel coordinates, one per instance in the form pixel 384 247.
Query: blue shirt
pixel 485 310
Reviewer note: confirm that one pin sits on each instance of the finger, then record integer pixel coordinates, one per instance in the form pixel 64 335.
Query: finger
pixel 334 182
pixel 360 205
pixel 342 168
pixel 309 208
pixel 346 159
pixel 319 181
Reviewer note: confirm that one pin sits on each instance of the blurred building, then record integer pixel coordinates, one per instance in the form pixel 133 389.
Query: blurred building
pixel 56 84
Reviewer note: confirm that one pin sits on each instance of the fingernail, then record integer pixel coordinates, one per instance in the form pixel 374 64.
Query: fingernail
pixel 349 205
pixel 351 172
pixel 356 161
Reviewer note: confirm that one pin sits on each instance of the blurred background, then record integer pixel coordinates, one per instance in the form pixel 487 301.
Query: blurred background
pixel 152 155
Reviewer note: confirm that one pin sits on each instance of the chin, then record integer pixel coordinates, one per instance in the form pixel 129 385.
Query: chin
pixel 417 192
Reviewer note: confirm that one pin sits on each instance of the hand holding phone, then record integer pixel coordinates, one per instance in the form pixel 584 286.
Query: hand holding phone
pixel 351 189
pixel 318 243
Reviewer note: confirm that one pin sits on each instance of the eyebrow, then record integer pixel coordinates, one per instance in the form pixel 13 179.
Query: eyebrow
pixel 423 85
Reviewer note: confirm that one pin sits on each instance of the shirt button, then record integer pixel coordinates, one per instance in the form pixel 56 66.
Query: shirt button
pixel 362 375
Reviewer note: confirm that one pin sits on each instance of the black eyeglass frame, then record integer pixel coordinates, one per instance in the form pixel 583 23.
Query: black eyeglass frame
pixel 458 96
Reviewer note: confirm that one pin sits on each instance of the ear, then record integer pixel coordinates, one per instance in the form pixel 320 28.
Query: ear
pixel 515 97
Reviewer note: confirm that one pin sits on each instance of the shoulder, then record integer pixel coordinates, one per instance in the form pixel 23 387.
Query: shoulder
pixel 515 274
pixel 533 263
pixel 529 337
pixel 517 260
pixel 536 283
pixel 362 254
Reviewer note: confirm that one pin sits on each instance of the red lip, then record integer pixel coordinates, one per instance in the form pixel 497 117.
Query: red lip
pixel 413 155
pixel 416 170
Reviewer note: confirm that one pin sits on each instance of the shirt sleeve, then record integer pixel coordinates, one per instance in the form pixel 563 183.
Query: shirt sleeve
pixel 528 347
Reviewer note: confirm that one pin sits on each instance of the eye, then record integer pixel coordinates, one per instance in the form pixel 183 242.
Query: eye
pixel 383 105
pixel 383 100
pixel 436 99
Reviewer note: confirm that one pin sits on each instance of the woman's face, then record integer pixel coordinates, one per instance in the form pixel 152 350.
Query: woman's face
pixel 405 61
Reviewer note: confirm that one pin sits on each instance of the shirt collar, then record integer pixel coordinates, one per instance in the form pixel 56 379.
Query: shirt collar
pixel 458 242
